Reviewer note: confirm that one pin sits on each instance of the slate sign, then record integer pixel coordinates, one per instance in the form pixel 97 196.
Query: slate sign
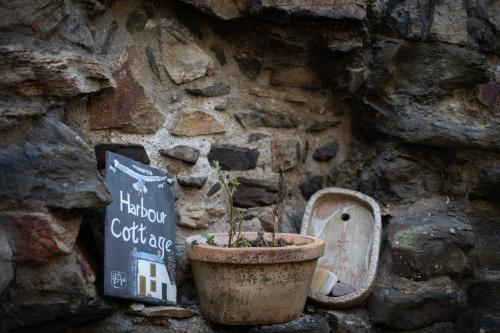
pixel 139 255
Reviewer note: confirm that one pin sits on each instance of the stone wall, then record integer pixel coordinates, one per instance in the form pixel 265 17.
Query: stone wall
pixel 397 99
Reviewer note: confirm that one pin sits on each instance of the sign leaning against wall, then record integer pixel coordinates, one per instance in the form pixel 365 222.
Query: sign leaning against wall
pixel 139 255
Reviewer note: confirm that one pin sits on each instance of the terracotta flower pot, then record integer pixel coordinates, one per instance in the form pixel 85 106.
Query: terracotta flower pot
pixel 253 286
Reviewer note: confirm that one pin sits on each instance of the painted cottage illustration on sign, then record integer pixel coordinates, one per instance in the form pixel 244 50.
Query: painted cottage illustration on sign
pixel 151 277
pixel 140 233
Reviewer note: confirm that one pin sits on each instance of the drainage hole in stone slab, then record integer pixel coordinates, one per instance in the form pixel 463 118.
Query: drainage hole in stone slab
pixel 345 217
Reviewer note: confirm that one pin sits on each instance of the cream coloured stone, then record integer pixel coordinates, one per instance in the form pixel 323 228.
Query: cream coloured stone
pixel 323 281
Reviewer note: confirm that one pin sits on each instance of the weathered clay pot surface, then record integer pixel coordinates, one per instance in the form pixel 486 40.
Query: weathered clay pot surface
pixel 253 286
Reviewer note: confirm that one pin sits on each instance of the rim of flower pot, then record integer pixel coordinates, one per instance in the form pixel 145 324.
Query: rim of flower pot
pixel 304 248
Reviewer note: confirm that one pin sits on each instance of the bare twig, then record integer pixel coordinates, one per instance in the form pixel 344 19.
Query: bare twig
pixel 278 208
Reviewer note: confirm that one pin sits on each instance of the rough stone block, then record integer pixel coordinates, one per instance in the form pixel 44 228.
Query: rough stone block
pixel 233 157
pixel 488 184
pixel 310 185
pixel 6 264
pixel 29 72
pixel 199 217
pixel 195 182
pixel 195 123
pixel 326 152
pixel 255 193
pixel 429 244
pixel 405 305
pixel 36 237
pixel 132 151
pixel 285 154
pixel 127 107
pixel 183 59
pixel 51 166
pixel 183 153
pixel 254 119
pixel 211 90
pixel 300 77
pixel 320 126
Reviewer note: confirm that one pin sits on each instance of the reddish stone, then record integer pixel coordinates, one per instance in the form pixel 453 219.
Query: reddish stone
pixel 489 94
pixel 127 107
pixel 39 236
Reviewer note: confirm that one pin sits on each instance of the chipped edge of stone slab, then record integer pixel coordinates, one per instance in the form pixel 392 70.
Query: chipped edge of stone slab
pixel 176 312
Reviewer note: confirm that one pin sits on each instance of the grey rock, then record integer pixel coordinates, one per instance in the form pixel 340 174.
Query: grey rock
pixel 249 66
pixel 405 305
pixel 347 321
pixel 17 107
pixel 152 62
pixel 408 113
pixel 305 323
pixel 484 24
pixel 56 75
pixel 110 38
pixel 37 312
pixel 252 137
pixel 429 244
pixel 483 303
pixel 310 185
pixel 232 157
pixel 183 59
pixel 255 193
pixel 221 106
pixel 435 328
pixel 320 126
pixel 212 90
pixel 484 255
pixel 410 18
pixel 94 7
pixel 457 68
pixel 305 152
pixel 255 119
pixel 6 264
pixel 219 54
pixel 132 151
pixel 74 27
pixel 196 182
pixel 42 16
pixel 136 20
pixel 198 217
pixel 214 189
pixel 342 288
pixel 400 176
pixel 326 152
pixel 55 295
pixel 488 184
pixel 344 46
pixel 51 166
pixel 345 10
pixel 449 22
pixel 182 152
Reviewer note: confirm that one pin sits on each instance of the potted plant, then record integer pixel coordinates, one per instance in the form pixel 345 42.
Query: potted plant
pixel 252 278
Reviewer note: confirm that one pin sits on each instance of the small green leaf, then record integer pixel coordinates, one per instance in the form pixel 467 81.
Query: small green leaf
pixel 234 182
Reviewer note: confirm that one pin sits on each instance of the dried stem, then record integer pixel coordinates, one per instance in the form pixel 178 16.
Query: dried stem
pixel 230 186
pixel 278 208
